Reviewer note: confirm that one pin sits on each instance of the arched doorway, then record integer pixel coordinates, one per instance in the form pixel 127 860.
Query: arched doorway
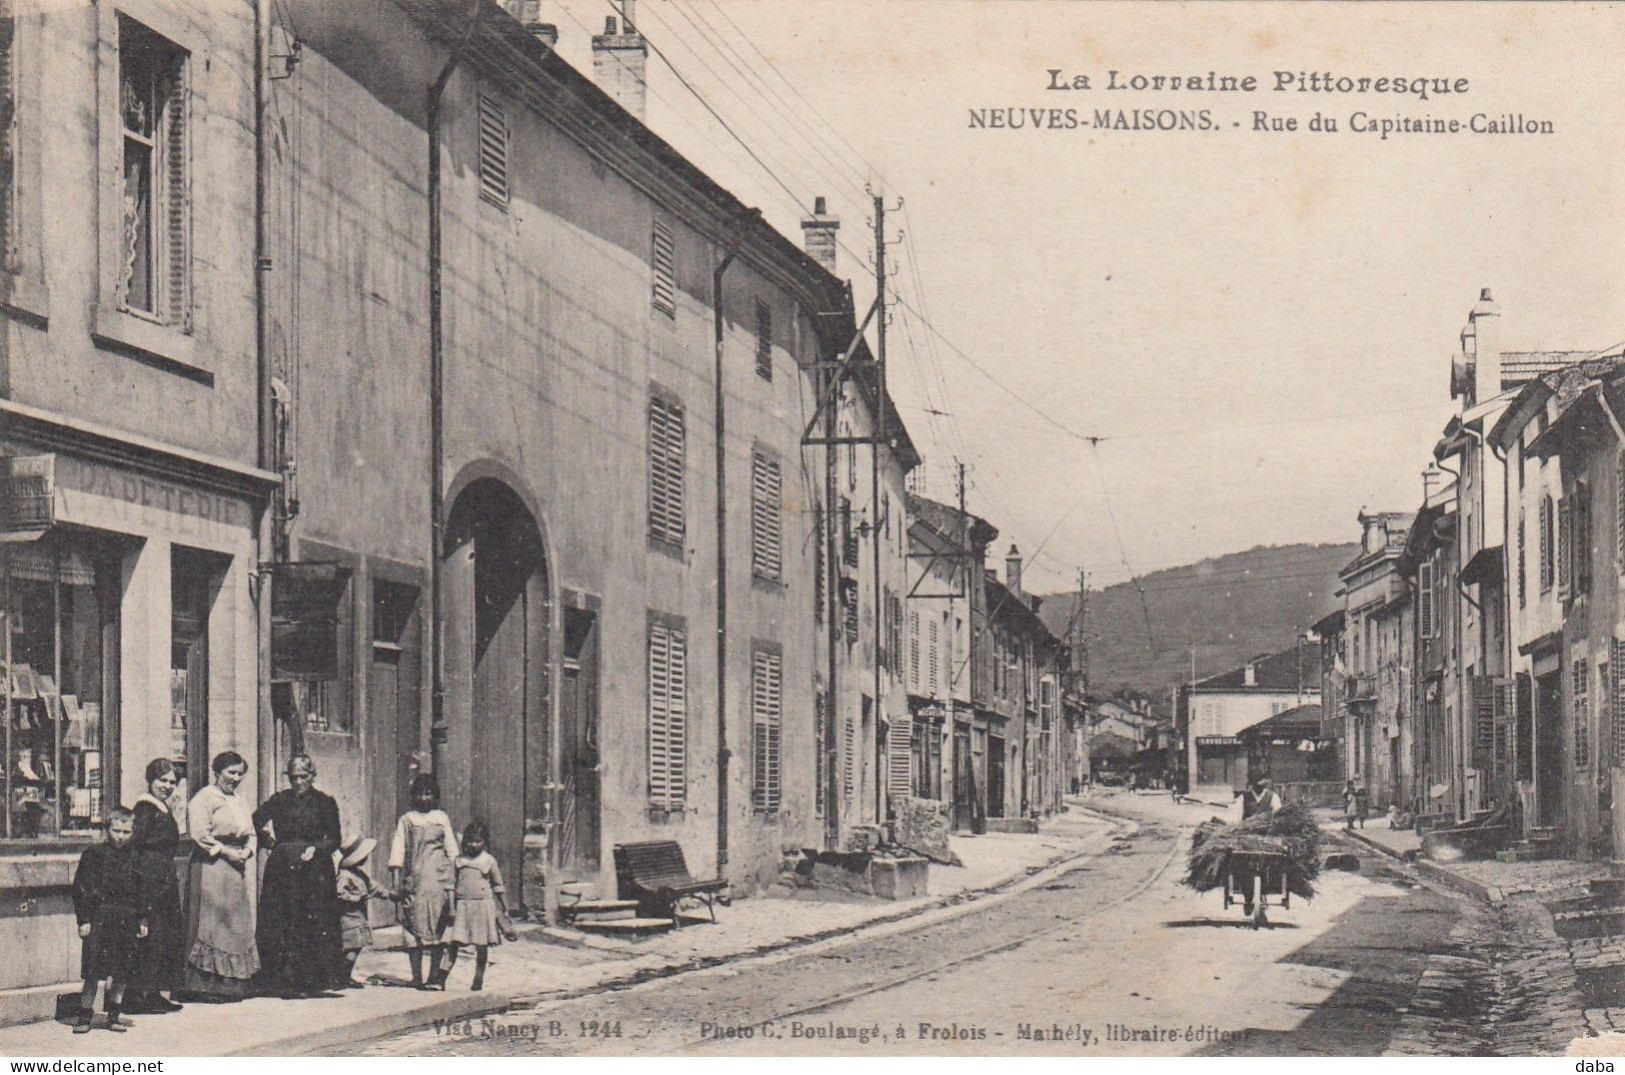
pixel 495 628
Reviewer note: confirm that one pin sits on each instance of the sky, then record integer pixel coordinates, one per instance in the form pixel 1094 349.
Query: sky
pixel 1257 325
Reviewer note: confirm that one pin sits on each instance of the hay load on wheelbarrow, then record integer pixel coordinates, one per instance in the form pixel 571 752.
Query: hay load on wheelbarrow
pixel 1267 856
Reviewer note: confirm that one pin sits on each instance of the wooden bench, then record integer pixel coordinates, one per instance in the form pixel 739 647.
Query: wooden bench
pixel 655 874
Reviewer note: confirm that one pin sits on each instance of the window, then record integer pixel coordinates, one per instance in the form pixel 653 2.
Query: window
pixel 1582 540
pixel 153 273
pixel 666 514
pixel 1565 547
pixel 494 138
pixel 766 552
pixel 1426 621
pixel 1548 572
pixel 668 715
pixel 764 340
pixel 1582 713
pixel 663 261
pixel 766 705
pixel 324 705
pixel 58 611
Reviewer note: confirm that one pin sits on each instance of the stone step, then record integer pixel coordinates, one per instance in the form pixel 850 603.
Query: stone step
pixel 602 910
pixel 626 927
pixel 1608 887
pixel 583 890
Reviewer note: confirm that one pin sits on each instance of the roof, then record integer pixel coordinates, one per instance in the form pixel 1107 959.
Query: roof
pixel 1424 532
pixel 1299 722
pixel 1022 607
pixel 1566 383
pixel 1518 368
pixel 949 521
pixel 1290 670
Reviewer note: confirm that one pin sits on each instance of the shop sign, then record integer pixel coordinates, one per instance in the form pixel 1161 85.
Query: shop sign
pixel 1218 741
pixel 305 603
pixel 27 496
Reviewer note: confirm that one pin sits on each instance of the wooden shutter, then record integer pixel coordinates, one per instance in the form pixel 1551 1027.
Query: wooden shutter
pixel 1546 558
pixel 666 449
pixel 1424 601
pixel 766 552
pixel 820 594
pixel 914 649
pixel 1565 546
pixel 931 654
pixel 900 758
pixel 1617 716
pixel 664 264
pixel 849 753
pixel 1505 707
pixel 1581 698
pixel 8 138
pixel 493 152
pixel 764 340
pixel 1619 512
pixel 177 308
pixel 1523 572
pixel 1483 716
pixel 766 721
pixel 668 716
pixel 1523 736
pixel 820 751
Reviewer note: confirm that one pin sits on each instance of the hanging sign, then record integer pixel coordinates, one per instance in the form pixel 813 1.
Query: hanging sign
pixel 305 603
pixel 27 496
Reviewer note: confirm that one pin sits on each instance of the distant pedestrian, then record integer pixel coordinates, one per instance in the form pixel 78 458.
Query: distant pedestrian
pixel 114 891
pixel 482 903
pixel 1362 804
pixel 421 873
pixel 355 888
pixel 1350 805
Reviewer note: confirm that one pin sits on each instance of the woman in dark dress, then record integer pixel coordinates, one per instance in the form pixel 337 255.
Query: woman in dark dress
pixel 300 943
pixel 156 839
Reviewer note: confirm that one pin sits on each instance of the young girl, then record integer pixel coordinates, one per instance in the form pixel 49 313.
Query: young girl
pixel 115 890
pixel 421 874
pixel 355 888
pixel 482 907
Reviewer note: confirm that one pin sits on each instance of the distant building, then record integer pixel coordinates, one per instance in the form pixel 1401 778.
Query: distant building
pixel 1215 711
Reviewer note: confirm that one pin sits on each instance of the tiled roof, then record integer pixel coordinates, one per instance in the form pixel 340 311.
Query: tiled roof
pixel 1288 670
pixel 1520 367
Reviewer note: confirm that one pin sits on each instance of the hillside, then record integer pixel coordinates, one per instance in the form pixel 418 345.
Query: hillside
pixel 1230 608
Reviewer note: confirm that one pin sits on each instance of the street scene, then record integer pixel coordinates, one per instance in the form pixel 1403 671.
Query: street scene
pixel 566 528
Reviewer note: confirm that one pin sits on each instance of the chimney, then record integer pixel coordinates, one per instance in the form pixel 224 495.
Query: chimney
pixel 1485 321
pixel 1249 675
pixel 818 235
pixel 620 62
pixel 528 13
pixel 1012 570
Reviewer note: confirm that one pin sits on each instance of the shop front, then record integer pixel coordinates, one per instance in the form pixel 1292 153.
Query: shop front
pixel 127 633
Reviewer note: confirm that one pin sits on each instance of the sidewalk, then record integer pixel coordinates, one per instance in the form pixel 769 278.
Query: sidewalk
pixel 552 964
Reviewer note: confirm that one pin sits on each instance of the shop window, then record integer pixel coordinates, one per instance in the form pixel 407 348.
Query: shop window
pixel 58 641
pixel 325 704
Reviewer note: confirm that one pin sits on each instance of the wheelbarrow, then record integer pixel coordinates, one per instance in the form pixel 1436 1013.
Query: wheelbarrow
pixel 1253 879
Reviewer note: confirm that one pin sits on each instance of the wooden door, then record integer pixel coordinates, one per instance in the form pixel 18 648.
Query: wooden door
pixel 497 792
pixel 578 828
pixel 995 777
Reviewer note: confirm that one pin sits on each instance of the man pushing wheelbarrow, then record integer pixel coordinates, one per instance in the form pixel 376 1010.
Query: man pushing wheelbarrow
pixel 1273 854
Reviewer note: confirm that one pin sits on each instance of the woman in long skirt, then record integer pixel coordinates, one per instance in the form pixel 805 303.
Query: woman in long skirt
pixel 221 956
pixel 157 837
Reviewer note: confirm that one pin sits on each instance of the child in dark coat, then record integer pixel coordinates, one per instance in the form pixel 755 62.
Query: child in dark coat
pixel 114 894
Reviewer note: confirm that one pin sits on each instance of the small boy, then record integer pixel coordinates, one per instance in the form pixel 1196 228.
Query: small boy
pixel 355 888
pixel 113 894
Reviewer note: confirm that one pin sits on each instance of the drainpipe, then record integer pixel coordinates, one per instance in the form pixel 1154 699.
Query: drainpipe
pixel 723 752
pixel 1509 579
pixel 437 521
pixel 269 538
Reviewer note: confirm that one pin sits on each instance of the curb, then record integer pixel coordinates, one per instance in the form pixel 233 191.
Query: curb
pixel 469 1006
pixel 1432 870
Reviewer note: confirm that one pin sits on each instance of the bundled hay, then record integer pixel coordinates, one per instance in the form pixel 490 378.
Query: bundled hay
pixel 1290 831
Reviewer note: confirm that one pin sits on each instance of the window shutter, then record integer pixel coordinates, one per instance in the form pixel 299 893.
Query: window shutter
pixel 677 707
pixel 849 606
pixel 820 594
pixel 8 138
pixel 849 750
pixel 666 448
pixel 177 199
pixel 1565 547
pixel 659 716
pixel 914 649
pixel 1619 512
pixel 766 553
pixel 1424 600
pixel 664 264
pixel 764 340
pixel 494 138
pixel 1617 717
pixel 931 654
pixel 1582 539
pixel 1546 558
pixel 1524 767
pixel 900 758
pixel 1483 715
pixel 820 751
pixel 766 709
pixel 1580 695
pixel 1523 573
pixel 1505 706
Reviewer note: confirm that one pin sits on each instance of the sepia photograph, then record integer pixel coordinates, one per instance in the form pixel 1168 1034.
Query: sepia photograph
pixel 811 528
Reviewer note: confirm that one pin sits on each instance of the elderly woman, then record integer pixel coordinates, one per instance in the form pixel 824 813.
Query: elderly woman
pixel 299 936
pixel 221 958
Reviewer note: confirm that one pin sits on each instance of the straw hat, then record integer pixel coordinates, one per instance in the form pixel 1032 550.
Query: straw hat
pixel 355 850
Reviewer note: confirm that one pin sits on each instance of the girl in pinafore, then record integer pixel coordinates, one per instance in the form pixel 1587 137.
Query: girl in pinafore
pixel 421 872
pixel 482 904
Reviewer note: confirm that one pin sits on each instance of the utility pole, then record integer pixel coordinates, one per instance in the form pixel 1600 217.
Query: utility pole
pixel 881 439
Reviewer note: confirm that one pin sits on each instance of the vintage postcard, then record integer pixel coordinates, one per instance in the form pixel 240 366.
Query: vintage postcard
pixel 826 528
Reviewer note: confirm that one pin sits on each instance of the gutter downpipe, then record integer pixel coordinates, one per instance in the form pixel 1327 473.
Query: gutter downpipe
pixel 437 522
pixel 1507 645
pixel 269 536
pixel 723 753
